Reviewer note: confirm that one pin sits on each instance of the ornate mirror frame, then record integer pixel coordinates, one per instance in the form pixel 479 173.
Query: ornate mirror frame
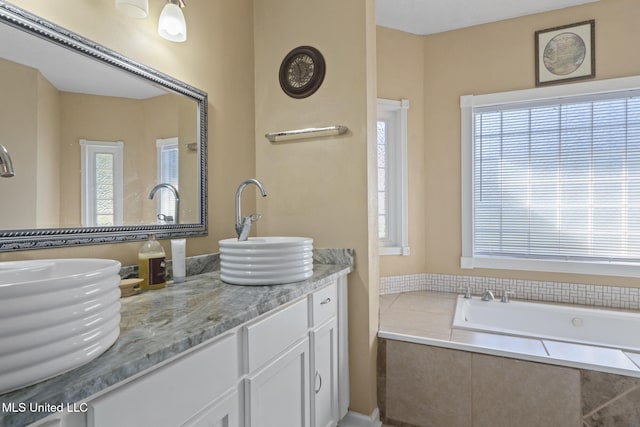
pixel 31 239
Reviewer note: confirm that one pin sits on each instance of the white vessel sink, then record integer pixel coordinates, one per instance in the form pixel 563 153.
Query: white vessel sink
pixel 266 260
pixel 55 315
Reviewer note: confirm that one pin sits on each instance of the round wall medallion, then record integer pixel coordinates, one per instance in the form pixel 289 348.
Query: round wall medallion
pixel 302 72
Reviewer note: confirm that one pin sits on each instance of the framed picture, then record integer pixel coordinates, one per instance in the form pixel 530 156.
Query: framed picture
pixel 565 53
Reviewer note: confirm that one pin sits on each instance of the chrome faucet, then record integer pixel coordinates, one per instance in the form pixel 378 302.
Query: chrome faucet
pixel 176 219
pixel 6 165
pixel 243 224
pixel 487 295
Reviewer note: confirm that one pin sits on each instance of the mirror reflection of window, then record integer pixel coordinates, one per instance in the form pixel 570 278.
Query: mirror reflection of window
pixel 167 161
pixel 102 182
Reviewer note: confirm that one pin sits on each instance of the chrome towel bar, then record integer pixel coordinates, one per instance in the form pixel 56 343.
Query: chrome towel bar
pixel 306 133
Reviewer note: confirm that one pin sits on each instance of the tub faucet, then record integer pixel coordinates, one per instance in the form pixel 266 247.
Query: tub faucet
pixel 176 219
pixel 487 295
pixel 243 224
pixel 6 165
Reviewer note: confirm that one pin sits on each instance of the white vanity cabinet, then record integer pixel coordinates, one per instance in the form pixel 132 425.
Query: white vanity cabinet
pixel 202 383
pixel 324 348
pixel 293 364
pixel 277 384
pixel 287 368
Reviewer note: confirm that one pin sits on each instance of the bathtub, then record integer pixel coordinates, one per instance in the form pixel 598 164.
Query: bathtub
pixel 565 335
pixel 590 326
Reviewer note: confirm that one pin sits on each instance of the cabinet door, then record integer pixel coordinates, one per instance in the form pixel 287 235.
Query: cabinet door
pixel 278 394
pixel 170 395
pixel 221 413
pixel 325 374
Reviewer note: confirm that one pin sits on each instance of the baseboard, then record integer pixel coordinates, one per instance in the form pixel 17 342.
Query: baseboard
pixel 354 419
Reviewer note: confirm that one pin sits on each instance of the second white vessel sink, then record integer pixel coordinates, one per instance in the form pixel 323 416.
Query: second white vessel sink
pixel 55 315
pixel 266 260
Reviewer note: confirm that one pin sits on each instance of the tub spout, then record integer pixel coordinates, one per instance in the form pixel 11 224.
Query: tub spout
pixel 487 295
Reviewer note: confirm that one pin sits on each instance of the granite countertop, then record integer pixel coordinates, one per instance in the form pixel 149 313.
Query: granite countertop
pixel 158 325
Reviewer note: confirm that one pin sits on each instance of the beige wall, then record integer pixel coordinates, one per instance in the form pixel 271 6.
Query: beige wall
pixel 217 58
pixel 20 89
pixel 319 187
pixel 401 67
pixel 485 59
pixel 47 209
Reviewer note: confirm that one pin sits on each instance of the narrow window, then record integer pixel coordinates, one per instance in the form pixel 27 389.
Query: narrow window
pixel 168 161
pixel 102 181
pixel 392 177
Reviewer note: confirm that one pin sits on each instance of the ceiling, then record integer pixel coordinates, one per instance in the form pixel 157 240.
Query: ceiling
pixel 435 16
pixel 70 71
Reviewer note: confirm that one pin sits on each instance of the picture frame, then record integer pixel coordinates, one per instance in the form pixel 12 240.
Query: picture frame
pixel 566 53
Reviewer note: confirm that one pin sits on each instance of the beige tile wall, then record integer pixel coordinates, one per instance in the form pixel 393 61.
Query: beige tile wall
pixel 425 386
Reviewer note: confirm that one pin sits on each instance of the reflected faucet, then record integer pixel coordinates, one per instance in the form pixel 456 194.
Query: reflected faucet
pixel 6 165
pixel 243 224
pixel 173 189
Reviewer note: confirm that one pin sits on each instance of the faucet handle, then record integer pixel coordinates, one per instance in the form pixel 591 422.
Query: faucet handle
pixel 245 227
pixel 467 292
pixel 505 296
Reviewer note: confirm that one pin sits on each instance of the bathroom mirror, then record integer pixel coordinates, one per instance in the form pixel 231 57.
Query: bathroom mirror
pixel 91 133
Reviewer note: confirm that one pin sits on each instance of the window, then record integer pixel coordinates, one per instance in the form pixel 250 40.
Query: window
pixel 392 177
pixel 102 179
pixel 167 152
pixel 551 179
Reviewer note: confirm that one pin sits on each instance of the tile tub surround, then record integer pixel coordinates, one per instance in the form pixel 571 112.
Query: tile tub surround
pixel 533 290
pixel 425 386
pixel 421 318
pixel 159 325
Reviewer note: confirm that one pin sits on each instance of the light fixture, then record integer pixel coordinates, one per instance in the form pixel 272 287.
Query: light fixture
pixel 172 25
pixel 133 8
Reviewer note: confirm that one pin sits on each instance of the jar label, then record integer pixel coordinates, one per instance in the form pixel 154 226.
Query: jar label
pixel 157 271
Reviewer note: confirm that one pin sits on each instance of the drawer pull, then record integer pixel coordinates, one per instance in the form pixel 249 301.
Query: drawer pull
pixel 327 301
pixel 318 386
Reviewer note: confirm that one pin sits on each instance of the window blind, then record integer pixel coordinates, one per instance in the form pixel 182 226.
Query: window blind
pixel 558 179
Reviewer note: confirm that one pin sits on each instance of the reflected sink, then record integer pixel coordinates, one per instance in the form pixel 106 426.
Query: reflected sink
pixel 55 315
pixel 266 260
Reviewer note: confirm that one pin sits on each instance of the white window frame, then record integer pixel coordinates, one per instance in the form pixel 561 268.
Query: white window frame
pixel 88 151
pixel 467 103
pixel 161 144
pixel 394 113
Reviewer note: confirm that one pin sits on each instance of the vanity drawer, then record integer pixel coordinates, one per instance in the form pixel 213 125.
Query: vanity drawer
pixel 324 304
pixel 171 394
pixel 270 336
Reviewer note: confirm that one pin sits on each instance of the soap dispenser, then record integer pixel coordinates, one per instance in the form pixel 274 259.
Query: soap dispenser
pixel 152 264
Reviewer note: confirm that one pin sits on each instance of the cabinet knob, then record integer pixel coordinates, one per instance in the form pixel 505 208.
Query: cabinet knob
pixel 326 301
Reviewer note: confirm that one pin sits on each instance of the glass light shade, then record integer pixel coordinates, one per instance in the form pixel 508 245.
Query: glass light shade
pixel 172 25
pixel 133 8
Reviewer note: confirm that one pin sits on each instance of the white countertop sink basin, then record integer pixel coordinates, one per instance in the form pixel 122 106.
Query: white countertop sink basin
pixel 266 260
pixel 55 315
